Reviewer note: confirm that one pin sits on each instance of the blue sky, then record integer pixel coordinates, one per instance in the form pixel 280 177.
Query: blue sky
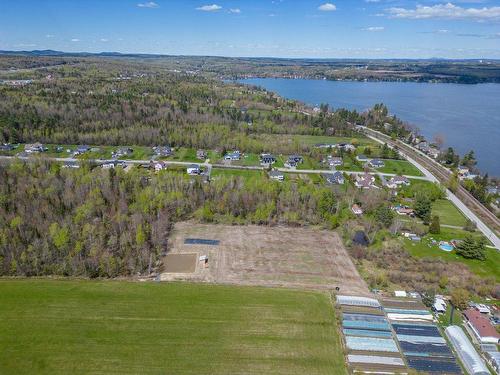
pixel 281 28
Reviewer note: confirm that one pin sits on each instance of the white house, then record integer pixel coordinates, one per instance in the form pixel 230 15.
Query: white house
pixel 193 169
pixel 277 175
pixel 159 165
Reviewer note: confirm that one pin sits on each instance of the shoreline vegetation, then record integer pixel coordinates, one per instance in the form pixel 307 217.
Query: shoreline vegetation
pixel 470 71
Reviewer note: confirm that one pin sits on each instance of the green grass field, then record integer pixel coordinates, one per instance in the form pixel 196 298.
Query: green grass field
pixel 401 167
pixel 311 140
pixel 246 173
pixel 92 327
pixel 448 213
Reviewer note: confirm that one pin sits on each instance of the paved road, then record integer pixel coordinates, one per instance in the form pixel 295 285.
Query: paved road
pixel 208 165
pixel 452 197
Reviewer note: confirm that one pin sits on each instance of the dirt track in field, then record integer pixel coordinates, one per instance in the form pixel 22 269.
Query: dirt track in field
pixel 267 256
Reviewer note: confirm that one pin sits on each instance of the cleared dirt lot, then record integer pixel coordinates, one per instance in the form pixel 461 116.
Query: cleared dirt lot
pixel 267 256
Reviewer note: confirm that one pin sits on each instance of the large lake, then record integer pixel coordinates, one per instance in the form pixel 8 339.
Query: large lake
pixel 468 116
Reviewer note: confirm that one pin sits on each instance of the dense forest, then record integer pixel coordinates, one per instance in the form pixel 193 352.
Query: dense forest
pixel 97 222
pixel 123 103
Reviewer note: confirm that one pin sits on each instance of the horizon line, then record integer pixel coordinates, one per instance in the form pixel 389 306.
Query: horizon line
pixel 117 54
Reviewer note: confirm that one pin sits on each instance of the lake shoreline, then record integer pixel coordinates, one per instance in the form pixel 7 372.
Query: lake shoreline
pixel 466 115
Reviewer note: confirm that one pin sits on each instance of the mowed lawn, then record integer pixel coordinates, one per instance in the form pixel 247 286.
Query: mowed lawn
pixel 401 167
pixel 448 213
pixel 118 327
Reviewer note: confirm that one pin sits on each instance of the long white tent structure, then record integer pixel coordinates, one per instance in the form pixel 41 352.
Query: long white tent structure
pixel 466 351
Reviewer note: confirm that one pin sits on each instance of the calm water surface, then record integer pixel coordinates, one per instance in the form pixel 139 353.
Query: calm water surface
pixel 468 116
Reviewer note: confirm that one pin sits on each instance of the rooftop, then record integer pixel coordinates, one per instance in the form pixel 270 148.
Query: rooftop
pixel 481 323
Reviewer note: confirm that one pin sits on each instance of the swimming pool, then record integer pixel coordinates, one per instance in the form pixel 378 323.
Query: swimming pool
pixel 445 246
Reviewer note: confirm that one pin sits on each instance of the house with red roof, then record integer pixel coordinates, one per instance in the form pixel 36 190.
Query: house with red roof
pixel 482 327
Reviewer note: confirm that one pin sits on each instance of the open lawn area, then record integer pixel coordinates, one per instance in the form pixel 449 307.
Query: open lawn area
pixel 487 268
pixel 311 140
pixel 246 173
pixel 119 327
pixel 448 213
pixel 401 167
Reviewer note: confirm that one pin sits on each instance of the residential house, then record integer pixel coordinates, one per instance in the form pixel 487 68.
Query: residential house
pixel 481 326
pixel 159 166
pixel 34 148
pixel 193 169
pixel 404 210
pixel 234 155
pixel 294 160
pixel 376 163
pixel 267 159
pixel 433 152
pixel 398 181
pixel 276 175
pixel 362 158
pixel 81 149
pixel 122 151
pixel 423 146
pixel 346 147
pixel 201 154
pixel 493 190
pixel 356 210
pixel 111 164
pixel 334 161
pixel 364 181
pixel 163 151
pixel 336 178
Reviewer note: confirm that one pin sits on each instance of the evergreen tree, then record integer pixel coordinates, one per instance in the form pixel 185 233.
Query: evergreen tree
pixel 384 215
pixel 423 208
pixel 472 249
pixel 435 226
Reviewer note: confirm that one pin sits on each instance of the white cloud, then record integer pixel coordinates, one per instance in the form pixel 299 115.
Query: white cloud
pixel 104 40
pixel 209 8
pixel 49 36
pixel 149 4
pixel 75 40
pixel 327 7
pixel 235 10
pixel 374 28
pixel 446 11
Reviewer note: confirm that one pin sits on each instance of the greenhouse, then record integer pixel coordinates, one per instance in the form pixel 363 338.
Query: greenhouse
pixel 435 366
pixel 364 317
pixel 371 344
pixel 358 301
pixel 425 339
pixel 466 351
pixel 392 361
pixel 425 349
pixel 366 333
pixel 428 330
pixel 407 311
pixel 378 326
